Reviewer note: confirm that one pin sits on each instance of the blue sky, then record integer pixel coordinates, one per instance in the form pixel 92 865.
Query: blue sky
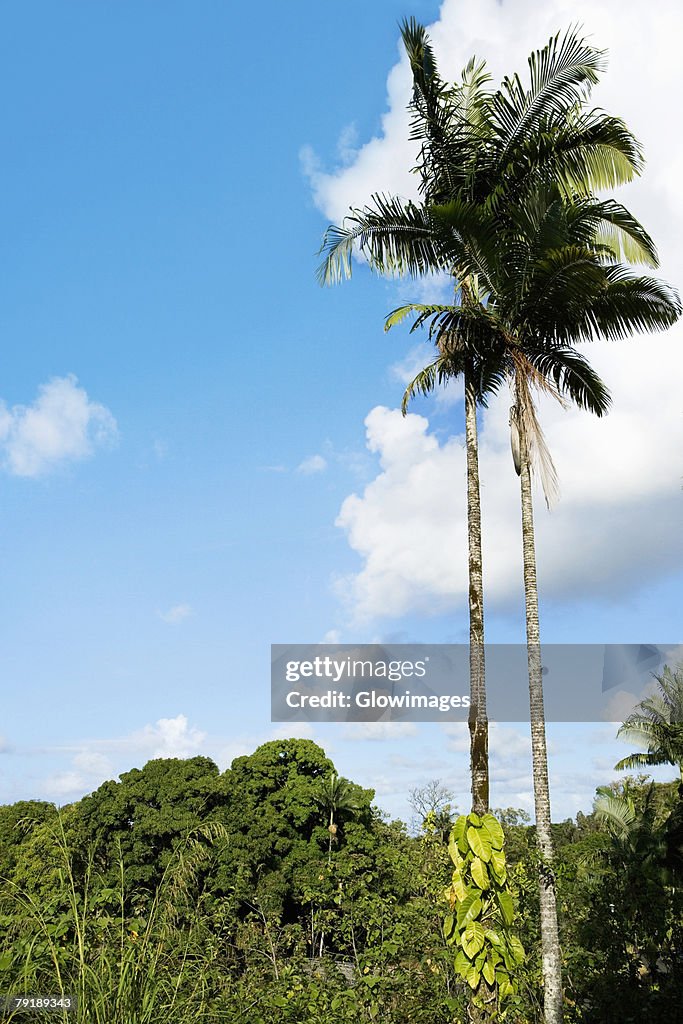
pixel 184 419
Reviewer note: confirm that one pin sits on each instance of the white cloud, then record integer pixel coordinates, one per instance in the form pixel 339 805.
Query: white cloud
pixel 313 464
pixel 617 477
pixel 177 614
pixel 62 425
pixel 172 737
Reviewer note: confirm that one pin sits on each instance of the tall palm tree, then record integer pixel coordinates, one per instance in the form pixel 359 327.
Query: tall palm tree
pixel 656 723
pixel 485 147
pixel 545 281
pixel 506 178
pixel 550 283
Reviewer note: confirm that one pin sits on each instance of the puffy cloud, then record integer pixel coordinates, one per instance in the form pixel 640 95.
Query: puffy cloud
pixel 94 761
pixel 170 737
pixel 409 525
pixel 62 425
pixel 313 464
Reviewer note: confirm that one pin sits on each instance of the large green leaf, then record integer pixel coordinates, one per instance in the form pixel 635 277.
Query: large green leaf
pixel 479 844
pixel 497 865
pixel 454 851
pixel 462 963
pixel 470 908
pixel 473 977
pixel 458 834
pixel 517 948
pixel 479 873
pixel 507 906
pixel 494 831
pixel 473 938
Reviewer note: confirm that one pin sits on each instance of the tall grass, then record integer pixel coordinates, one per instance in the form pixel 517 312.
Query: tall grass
pixel 83 940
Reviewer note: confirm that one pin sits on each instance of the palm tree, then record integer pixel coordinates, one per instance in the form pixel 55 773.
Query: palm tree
pixel 545 282
pixel 336 796
pixel 550 284
pixel 483 147
pixel 656 723
pixel 534 259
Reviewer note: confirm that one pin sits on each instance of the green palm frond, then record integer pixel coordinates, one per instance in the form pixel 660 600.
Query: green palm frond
pixel 656 724
pixel 613 226
pixel 396 237
pixel 422 384
pixel 573 377
pixel 562 75
pixel 641 760
pixel 397 316
pixel 617 812
pixel 595 153
pixel 629 305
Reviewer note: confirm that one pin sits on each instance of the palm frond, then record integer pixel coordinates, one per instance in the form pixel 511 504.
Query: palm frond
pixel 618 813
pixel 614 226
pixel 562 75
pixel 572 375
pixel 640 760
pixel 595 152
pixel 395 236
pixel 422 384
pixel 629 305
pixel 656 724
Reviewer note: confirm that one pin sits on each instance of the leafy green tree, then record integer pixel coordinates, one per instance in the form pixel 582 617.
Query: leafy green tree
pixel 143 816
pixel 17 823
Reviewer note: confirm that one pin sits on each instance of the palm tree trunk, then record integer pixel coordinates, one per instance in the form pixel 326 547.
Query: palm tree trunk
pixel 478 721
pixel 482 1010
pixel 550 941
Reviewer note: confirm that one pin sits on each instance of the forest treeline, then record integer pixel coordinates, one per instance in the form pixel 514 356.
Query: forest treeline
pixel 277 891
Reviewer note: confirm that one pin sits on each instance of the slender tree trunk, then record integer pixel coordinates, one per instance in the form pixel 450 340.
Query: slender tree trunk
pixel 330 833
pixel 550 940
pixel 478 721
pixel 482 1010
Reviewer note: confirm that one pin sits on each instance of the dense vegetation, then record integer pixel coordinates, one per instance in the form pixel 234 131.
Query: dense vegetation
pixel 277 892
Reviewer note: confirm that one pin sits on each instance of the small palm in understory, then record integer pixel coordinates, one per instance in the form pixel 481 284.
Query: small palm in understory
pixel 336 797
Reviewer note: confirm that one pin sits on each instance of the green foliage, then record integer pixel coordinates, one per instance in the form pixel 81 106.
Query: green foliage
pixel 657 724
pixel 489 954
